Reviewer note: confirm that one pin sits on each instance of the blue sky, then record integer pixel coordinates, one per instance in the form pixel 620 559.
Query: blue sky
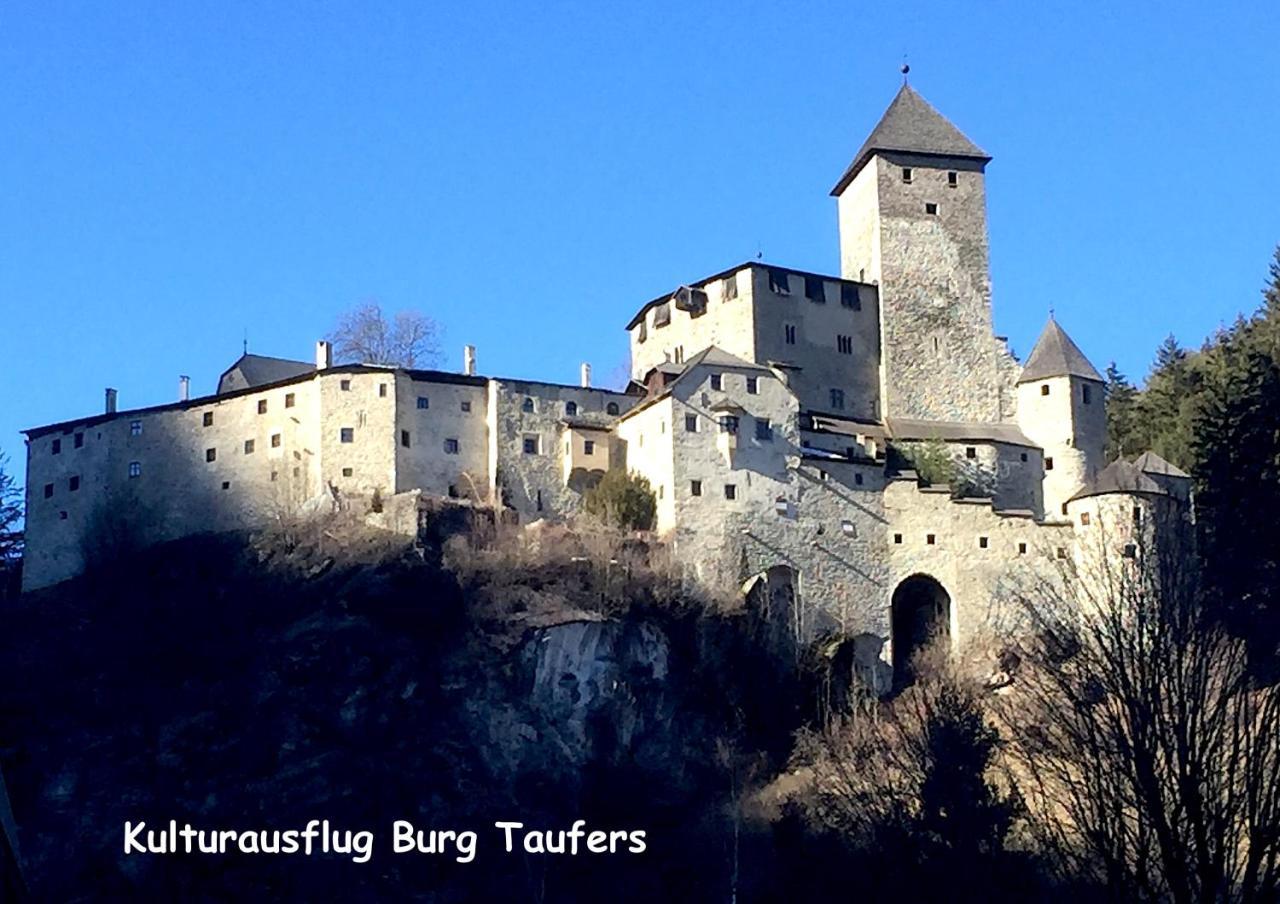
pixel 174 174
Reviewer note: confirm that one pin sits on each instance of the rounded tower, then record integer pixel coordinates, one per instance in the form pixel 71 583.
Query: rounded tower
pixel 1061 409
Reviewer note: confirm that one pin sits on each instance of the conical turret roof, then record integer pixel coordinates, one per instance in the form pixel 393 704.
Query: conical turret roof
pixel 911 125
pixel 1055 355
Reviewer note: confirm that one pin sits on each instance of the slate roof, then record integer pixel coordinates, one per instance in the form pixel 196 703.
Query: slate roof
pixel 1055 355
pixel 1150 463
pixel 956 431
pixel 911 125
pixel 1120 477
pixel 259 370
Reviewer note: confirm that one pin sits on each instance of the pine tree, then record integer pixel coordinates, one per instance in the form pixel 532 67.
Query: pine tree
pixel 1124 436
pixel 1166 408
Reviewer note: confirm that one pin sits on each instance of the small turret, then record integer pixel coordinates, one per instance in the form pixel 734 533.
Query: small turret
pixel 1060 407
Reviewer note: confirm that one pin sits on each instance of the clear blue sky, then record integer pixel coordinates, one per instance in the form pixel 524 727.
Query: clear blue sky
pixel 172 174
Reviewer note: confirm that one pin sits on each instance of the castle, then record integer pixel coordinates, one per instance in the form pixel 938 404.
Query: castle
pixel 780 416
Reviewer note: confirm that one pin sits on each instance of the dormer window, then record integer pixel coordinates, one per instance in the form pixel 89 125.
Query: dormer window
pixel 906 174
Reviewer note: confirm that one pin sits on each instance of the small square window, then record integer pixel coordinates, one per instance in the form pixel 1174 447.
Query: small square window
pixel 135 428
pixel 345 386
pixel 730 491
pixel 451 446
pixel 1022 549
pixel 729 423
pixel 290 399
pixel 226 484
pixel 1130 551
pixel 74 483
pixel 1062 552
pixel 48 491
pixel 982 543
pixel 588 447
pixel 1024 456
pixel 931 209
pixel 857 479
pixel 210 454
pixel 135 469
pixel 423 403
pixel 262 406
pixel 62 515
pixel 466 406
pixel 404 438
pixel 248 447
pixel 814 290
pixel 346 472
pixel 530 445
pixel 691 423
pixel 970 452
pixel 850 298
pixel 347 435
pixel 931 539
pixel 897 539
pixel 1044 389
pixel 906 174
pixel 717 382
pixel 79 441
pixel 695 488
pixel 206 420
pixel 753 385
pixel 953 179
pixel 275 440
pixel 382 390
pixel 1084 519
pixel 57 447
pixel 1048 463
pixel 764 429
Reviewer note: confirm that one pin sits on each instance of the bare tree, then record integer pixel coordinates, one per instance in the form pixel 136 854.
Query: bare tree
pixel 1148 755
pixel 11 533
pixel 364 335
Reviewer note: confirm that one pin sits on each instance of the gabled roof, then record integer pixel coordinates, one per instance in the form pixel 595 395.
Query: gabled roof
pixel 956 431
pixel 718 357
pixel 1150 463
pixel 1120 477
pixel 1055 355
pixel 258 370
pixel 911 125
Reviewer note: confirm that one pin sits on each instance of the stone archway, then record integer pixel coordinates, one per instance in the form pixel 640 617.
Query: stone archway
pixel 921 614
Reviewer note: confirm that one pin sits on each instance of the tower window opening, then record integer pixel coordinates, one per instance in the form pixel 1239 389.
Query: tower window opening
pixel 844 344
pixel 814 290
pixel 897 538
pixel 931 208
pixel 931 539
pixel 953 179
pixel 730 491
pixel 778 283
pixel 982 543
pixel 1048 464
pixel 1086 395
pixel 849 297
pixel 970 452
pixel 789 334
pixel 906 174
pixel 717 382
pixel 1022 549
pixel 1044 390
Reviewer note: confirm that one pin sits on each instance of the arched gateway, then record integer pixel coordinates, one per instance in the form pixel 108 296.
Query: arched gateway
pixel 921 613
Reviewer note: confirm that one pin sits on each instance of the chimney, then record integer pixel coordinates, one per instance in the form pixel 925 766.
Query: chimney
pixel 586 375
pixel 469 360
pixel 111 400
pixel 184 389
pixel 324 355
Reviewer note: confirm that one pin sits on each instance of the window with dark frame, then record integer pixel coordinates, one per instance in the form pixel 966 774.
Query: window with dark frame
pixel 135 469
pixel 48 491
pixel 814 290
pixel 730 291
pixel 844 345
pixel 953 179
pixel 248 447
pixel 275 440
pixel 135 428
pixel 530 445
pixel 611 408
pixel 79 441
pixel 730 491
pixel 404 438
pixel 717 382
pixel 382 390
pixel 1048 463
pixel 588 447
pixel 424 403
pixel 346 472
pixel 931 539
pixel 906 174
pixel 1086 395
pixel 764 429
pixel 850 298
pixel 982 543
pixel 345 386
pixel 347 435
pixel 778 283
pixel 729 423
pixel 466 407
pixel 56 448
pixel 1044 389
pixel 931 208
pixel 73 483
pixel 210 455
pixel 970 452
pixel 262 406
pixel 695 488
pixel 690 423
pixel 789 334
pixel 570 408
pixel 451 446
pixel 753 385
pixel 289 399
pixel 527 405
pixel 207 419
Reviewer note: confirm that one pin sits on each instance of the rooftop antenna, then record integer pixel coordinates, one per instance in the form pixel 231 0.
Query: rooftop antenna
pixel 244 345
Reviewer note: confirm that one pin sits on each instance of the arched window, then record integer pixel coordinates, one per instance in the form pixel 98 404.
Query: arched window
pixel 527 405
pixel 611 408
pixel 571 408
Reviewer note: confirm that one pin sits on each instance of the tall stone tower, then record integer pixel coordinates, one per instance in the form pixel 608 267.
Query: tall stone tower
pixel 913 218
pixel 1061 409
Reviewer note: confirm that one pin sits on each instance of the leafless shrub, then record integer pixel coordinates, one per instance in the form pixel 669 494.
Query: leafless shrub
pixel 364 335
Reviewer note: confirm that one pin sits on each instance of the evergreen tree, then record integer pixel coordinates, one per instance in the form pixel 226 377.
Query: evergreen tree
pixel 1124 436
pixel 1165 412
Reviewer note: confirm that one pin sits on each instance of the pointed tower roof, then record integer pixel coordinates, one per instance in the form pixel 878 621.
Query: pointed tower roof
pixel 1055 355
pixel 911 125
pixel 1150 463
pixel 1120 477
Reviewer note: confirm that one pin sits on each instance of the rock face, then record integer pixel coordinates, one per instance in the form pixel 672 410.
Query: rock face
pixel 596 686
